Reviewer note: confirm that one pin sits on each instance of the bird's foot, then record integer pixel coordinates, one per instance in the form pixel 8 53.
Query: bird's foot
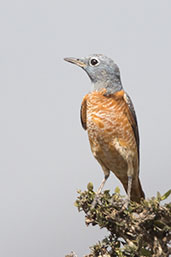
pixel 126 204
pixel 93 205
pixel 95 201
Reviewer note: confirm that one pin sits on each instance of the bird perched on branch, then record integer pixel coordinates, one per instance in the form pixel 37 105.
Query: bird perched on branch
pixel 108 115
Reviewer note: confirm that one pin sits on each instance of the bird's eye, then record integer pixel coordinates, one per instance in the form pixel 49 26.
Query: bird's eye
pixel 94 62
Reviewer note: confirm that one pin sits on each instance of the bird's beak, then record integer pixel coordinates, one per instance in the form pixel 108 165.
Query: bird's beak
pixel 76 61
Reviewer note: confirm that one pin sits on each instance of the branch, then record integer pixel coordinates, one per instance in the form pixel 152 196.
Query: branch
pixel 139 230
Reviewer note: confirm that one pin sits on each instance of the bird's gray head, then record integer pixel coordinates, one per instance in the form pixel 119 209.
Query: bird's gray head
pixel 103 72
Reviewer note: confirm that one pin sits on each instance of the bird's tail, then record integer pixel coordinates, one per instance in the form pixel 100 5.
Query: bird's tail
pixel 136 190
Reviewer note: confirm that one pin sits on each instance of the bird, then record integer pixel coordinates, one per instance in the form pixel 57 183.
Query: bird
pixel 108 115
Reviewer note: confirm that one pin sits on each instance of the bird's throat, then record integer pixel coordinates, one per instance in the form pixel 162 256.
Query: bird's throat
pixel 110 88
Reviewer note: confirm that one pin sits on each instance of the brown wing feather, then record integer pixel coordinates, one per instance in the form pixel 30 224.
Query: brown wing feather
pixel 133 120
pixel 83 113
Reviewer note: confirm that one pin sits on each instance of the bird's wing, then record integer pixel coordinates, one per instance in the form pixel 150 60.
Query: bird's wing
pixel 133 120
pixel 83 113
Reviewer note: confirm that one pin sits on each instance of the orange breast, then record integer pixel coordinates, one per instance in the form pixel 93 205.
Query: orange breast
pixel 107 120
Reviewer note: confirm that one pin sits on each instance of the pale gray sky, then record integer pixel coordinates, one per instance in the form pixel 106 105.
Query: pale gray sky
pixel 44 152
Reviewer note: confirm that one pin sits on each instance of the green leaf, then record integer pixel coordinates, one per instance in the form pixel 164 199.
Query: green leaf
pixel 159 223
pixel 145 252
pixel 76 204
pixel 166 195
pixel 90 186
pixel 117 190
pixel 158 196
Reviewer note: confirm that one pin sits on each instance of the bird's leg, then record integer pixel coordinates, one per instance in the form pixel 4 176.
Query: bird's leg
pixel 99 191
pixel 102 184
pixel 129 187
pixel 130 175
pixel 106 175
pixel 128 156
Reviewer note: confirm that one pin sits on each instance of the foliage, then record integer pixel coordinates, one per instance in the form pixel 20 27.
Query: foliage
pixel 135 230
